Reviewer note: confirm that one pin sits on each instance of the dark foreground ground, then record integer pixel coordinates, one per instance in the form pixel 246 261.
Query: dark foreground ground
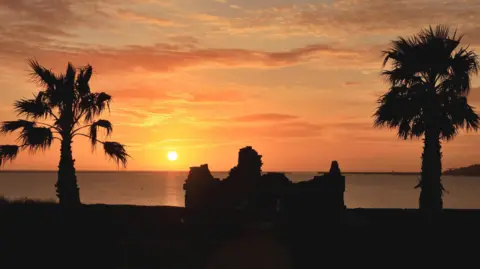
pixel 101 236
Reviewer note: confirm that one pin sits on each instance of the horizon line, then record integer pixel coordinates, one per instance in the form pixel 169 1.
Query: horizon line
pixel 226 171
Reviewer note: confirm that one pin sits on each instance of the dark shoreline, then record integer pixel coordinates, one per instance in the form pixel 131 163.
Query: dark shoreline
pixel 123 236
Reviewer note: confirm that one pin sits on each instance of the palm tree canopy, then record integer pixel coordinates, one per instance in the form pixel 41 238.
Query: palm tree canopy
pixel 67 100
pixel 428 70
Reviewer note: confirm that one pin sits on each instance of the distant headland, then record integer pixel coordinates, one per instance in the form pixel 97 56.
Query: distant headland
pixel 472 171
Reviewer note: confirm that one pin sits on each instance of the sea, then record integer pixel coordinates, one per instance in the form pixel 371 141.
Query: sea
pixel 166 188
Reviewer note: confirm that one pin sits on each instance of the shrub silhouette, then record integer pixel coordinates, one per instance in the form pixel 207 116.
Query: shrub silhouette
pixel 68 101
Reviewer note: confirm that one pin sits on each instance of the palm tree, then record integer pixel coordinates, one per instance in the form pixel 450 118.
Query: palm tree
pixel 67 101
pixel 429 82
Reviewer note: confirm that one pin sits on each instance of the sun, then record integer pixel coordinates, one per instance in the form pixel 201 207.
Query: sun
pixel 172 155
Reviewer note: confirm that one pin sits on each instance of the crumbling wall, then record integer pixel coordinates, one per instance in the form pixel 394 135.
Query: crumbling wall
pixel 200 187
pixel 323 193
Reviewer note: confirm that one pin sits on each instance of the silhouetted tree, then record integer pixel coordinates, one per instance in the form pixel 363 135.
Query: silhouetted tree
pixel 429 82
pixel 66 100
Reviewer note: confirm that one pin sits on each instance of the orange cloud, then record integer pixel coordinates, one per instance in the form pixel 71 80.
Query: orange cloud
pixel 273 117
pixel 142 93
pixel 351 125
pixel 275 130
pixel 143 18
pixel 342 19
pixel 142 114
pixel 165 58
pixel 214 96
pixel 351 83
pixel 185 40
pixel 159 95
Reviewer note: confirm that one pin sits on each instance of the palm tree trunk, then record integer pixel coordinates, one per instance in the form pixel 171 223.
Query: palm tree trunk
pixel 67 188
pixel 430 183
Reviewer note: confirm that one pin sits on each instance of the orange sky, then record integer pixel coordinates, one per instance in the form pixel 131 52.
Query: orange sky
pixel 296 79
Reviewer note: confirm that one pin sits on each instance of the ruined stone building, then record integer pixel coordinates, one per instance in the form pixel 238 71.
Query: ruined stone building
pixel 245 188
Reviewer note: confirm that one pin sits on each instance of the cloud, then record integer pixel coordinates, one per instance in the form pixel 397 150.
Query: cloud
pixel 167 58
pixel 185 40
pixel 249 119
pixel 266 117
pixel 246 128
pixel 183 143
pixel 142 93
pixel 341 19
pixel 23 22
pixel 61 14
pixel 274 130
pixel 41 10
pixel 42 23
pixel 142 113
pixel 214 96
pixel 160 95
pixel 42 31
pixel 34 27
pixel 143 18
pixel 351 83
pixel 372 138
pixel 179 140
pixel 352 126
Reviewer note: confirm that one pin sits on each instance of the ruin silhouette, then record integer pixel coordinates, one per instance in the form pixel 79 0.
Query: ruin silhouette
pixel 263 195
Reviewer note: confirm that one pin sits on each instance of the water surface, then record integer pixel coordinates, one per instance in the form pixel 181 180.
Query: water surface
pixel 166 188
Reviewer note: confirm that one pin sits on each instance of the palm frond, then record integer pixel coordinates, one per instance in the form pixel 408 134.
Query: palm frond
pixel 34 108
pixel 448 130
pixel 462 114
pixel 87 104
pixel 53 97
pixel 402 54
pixel 400 76
pixel 462 65
pixel 8 153
pixel 103 101
pixel 400 107
pixel 441 31
pixel 70 75
pixel 94 104
pixel 94 128
pixel 83 79
pixel 42 75
pixel 36 138
pixel 11 126
pixel 418 127
pixel 116 152
pixel 471 119
pixel 88 71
